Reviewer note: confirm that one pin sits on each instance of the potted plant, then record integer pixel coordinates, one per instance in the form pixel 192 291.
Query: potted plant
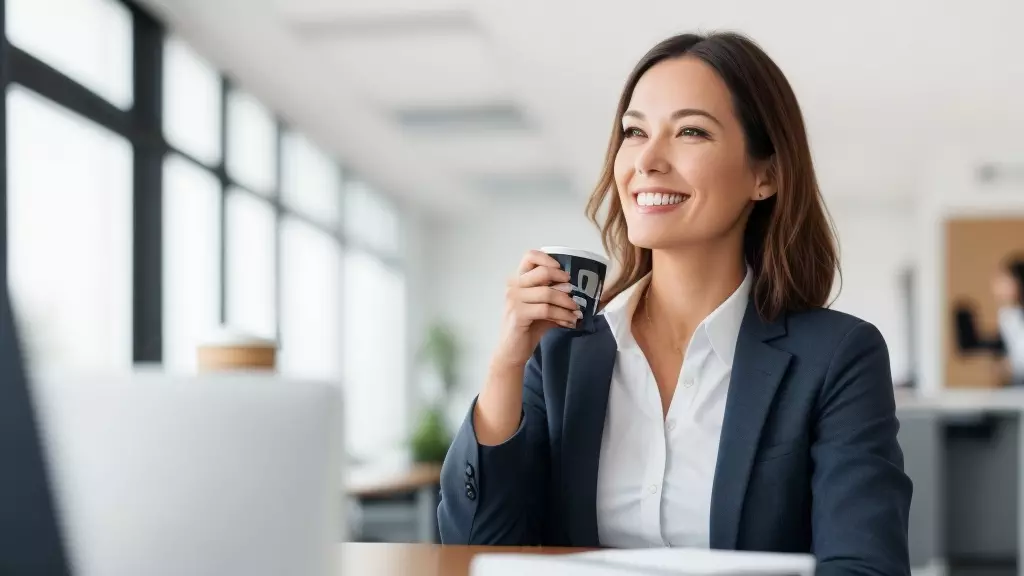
pixel 431 438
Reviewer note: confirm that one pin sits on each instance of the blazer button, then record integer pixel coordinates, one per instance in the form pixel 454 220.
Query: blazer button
pixel 470 492
pixel 469 470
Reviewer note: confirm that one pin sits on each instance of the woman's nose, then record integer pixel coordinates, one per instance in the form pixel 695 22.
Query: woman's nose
pixel 651 159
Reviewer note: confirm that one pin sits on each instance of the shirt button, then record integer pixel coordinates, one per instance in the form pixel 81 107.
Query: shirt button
pixel 671 425
pixel 687 383
pixel 653 489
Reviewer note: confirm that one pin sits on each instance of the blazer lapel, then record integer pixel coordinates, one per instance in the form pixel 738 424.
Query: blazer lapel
pixel 757 370
pixel 586 405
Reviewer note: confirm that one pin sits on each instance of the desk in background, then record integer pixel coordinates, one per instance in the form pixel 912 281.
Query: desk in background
pixel 964 450
pixel 382 492
pixel 423 559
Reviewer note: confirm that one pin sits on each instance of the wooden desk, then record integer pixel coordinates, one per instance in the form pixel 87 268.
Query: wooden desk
pixel 421 559
pixel 372 481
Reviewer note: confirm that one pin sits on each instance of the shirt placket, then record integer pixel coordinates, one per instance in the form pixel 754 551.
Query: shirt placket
pixel 679 417
pixel 654 473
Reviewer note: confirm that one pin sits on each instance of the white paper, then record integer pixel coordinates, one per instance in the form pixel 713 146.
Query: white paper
pixel 645 562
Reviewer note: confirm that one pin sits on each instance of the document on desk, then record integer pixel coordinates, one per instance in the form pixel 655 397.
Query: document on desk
pixel 646 562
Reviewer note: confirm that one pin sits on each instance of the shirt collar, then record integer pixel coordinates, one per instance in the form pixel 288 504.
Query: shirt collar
pixel 721 327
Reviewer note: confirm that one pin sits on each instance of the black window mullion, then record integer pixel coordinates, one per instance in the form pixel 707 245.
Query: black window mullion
pixel 40 77
pixel 222 175
pixel 146 120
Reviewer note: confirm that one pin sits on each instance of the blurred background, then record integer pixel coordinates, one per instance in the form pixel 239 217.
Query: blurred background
pixel 354 180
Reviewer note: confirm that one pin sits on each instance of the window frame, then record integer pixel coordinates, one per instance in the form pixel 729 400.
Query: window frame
pixel 142 126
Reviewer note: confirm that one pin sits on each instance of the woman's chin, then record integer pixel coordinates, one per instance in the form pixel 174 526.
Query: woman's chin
pixel 656 240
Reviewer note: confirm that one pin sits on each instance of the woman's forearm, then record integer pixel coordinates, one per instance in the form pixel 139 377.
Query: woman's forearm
pixel 499 407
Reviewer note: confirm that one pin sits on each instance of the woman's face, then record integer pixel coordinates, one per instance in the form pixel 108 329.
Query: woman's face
pixel 682 172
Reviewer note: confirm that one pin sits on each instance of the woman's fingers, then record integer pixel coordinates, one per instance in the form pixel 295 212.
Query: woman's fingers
pixel 535 258
pixel 547 295
pixel 542 276
pixel 549 312
pixel 539 293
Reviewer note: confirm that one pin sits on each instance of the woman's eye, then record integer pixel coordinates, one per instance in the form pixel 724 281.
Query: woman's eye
pixel 633 133
pixel 693 132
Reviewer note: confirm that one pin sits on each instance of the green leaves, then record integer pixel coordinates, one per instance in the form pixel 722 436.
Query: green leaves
pixel 441 349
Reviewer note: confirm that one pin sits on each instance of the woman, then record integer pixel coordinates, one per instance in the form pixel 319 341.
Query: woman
pixel 717 404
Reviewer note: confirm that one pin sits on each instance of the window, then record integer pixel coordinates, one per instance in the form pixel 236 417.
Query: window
pixel 87 40
pixel 252 143
pixel 370 220
pixel 191 260
pixel 69 225
pixel 192 103
pixel 310 301
pixel 310 181
pixel 250 264
pixel 374 355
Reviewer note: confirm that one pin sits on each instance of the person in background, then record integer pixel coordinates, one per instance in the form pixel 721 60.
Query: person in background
pixel 1006 290
pixel 718 403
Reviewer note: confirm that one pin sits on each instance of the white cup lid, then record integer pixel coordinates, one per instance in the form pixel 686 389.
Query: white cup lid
pixel 575 252
pixel 231 337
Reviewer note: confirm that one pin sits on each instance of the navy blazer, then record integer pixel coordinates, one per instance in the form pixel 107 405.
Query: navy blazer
pixel 808 459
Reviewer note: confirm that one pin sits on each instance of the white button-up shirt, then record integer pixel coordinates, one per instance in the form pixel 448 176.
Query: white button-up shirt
pixel 656 473
pixel 1011 328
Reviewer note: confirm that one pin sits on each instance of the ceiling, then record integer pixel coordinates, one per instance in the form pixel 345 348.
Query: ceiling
pixel 449 103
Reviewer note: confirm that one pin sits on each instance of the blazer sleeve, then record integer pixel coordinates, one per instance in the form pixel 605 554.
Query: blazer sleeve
pixel 860 493
pixel 495 495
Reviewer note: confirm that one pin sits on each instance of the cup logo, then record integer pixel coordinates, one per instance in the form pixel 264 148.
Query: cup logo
pixel 588 283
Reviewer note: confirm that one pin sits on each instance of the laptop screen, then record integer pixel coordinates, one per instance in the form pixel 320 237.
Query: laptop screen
pixel 30 538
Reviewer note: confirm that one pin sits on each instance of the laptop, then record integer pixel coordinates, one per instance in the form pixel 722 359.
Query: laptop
pixel 168 475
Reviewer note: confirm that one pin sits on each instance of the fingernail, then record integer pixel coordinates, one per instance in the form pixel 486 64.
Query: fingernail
pixel 566 287
pixel 569 325
pixel 578 314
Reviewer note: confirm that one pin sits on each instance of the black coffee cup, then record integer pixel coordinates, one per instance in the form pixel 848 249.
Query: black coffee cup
pixel 587 272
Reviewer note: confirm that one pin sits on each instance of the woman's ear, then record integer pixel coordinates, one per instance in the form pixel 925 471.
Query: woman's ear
pixel 765 180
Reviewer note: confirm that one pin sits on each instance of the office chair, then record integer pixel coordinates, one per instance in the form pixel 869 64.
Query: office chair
pixel 968 339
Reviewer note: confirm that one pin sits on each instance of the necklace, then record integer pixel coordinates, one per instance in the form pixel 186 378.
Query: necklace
pixel 647 312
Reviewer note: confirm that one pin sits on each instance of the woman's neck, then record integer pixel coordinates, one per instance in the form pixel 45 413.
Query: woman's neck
pixel 688 284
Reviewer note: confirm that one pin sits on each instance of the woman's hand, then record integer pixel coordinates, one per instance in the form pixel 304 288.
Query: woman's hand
pixel 537 299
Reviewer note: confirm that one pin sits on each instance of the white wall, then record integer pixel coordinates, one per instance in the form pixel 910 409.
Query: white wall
pixel 415 239
pixel 877 245
pixel 471 260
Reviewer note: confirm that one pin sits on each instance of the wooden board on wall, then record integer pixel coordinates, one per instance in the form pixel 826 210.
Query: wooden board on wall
pixel 976 249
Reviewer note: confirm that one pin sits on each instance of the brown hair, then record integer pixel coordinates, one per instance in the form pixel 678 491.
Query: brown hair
pixel 789 240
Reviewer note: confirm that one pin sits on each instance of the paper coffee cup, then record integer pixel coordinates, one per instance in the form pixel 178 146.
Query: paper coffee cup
pixel 587 271
pixel 228 349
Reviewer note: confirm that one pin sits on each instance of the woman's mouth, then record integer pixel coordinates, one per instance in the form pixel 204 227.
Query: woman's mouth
pixel 653 202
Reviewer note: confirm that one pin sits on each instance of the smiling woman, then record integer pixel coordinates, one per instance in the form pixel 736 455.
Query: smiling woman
pixel 716 403
pixel 738 130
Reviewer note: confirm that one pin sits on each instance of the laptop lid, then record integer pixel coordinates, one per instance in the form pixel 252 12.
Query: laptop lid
pixel 158 474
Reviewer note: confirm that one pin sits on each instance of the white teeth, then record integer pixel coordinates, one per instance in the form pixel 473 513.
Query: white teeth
pixel 658 199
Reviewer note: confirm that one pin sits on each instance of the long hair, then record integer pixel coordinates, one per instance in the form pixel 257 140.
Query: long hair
pixel 789 240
